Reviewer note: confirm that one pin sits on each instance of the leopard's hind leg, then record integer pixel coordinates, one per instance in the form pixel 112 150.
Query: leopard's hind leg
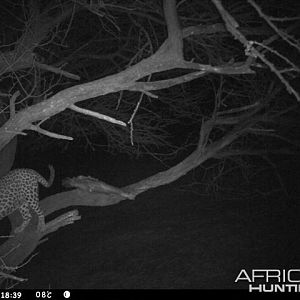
pixel 34 203
pixel 37 209
pixel 26 215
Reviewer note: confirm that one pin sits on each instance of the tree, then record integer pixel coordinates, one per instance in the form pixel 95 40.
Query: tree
pixel 142 70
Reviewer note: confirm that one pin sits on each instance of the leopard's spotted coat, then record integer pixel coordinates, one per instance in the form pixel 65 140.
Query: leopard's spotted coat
pixel 19 190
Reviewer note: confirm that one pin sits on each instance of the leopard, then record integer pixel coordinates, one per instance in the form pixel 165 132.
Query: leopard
pixel 19 190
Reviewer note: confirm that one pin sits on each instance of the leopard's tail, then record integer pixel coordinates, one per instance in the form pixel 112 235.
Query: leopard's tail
pixel 48 183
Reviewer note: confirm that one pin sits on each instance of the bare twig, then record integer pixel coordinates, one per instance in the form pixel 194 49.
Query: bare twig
pixel 50 134
pixel 97 115
pixel 232 26
pixel 12 103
